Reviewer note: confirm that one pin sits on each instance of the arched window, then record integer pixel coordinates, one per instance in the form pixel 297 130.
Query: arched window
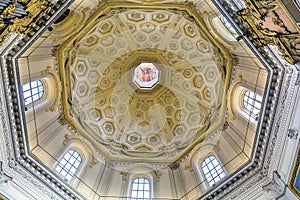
pixel 140 189
pixel 69 164
pixel 252 104
pixel 212 170
pixel 228 26
pixel 33 91
pixel 224 28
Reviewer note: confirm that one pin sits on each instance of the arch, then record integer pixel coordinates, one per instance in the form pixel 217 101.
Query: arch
pixel 86 154
pixel 224 28
pixel 221 31
pixel 212 170
pixel 142 171
pixel 235 101
pixel 51 93
pixel 204 150
pixel 68 166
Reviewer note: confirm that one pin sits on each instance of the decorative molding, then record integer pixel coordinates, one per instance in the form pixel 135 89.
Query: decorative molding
pixel 298 73
pixel 124 175
pixel 261 32
pixel 268 116
pixel 24 165
pixel 253 184
pixel 35 14
pixel 46 71
pixel 293 134
pixel 295 175
pixel 4 178
pixel 276 188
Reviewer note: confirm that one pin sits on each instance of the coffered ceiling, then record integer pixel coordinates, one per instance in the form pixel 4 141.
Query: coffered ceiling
pixel 124 120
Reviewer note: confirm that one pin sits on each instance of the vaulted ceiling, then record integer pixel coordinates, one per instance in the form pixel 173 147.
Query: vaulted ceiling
pixel 126 121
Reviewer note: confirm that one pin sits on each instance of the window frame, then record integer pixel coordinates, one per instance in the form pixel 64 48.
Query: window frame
pixel 132 184
pixel 44 93
pixel 77 170
pixel 248 113
pixel 211 174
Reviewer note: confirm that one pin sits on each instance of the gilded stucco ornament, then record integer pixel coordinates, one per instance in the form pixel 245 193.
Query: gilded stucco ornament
pixel 35 10
pixel 265 26
pixel 275 188
pixel 184 104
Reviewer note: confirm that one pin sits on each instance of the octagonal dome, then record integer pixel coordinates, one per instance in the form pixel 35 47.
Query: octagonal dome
pixel 157 121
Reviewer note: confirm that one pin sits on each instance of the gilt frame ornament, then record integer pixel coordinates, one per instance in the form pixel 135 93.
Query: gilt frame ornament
pixel 294 182
pixel 115 150
pixel 36 13
pixel 268 23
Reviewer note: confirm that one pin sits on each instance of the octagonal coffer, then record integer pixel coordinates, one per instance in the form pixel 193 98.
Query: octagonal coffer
pixel 146 76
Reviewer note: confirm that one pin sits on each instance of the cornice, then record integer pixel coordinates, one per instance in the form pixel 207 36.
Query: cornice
pixel 281 88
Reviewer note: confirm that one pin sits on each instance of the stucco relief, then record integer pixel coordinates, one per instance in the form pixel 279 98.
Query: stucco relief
pixel 180 105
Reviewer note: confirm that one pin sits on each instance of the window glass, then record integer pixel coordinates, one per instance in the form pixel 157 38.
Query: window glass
pixel 33 91
pixel 228 25
pixel 212 170
pixel 140 189
pixel 252 104
pixel 69 164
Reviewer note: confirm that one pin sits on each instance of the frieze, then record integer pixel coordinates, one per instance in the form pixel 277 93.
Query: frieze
pixel 280 123
pixel 5 130
pixel 240 193
pixel 275 188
